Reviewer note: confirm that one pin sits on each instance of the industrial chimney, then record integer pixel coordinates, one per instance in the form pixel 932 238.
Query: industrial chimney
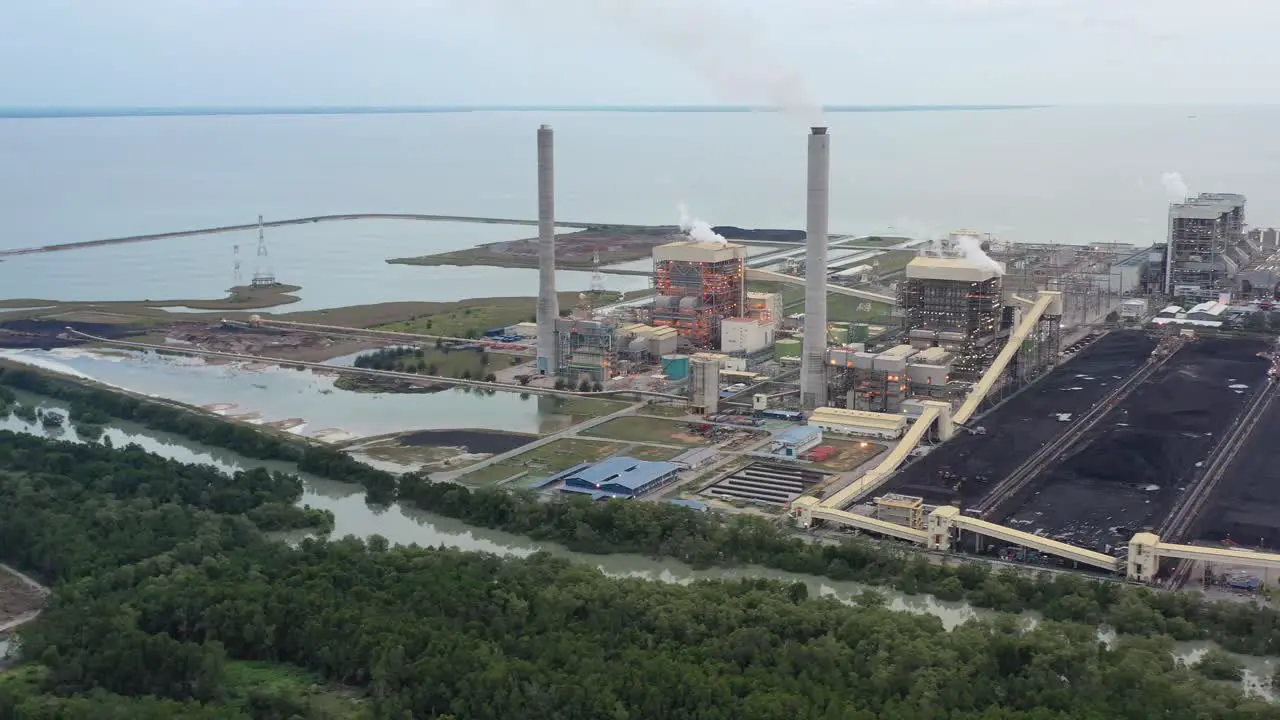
pixel 813 376
pixel 548 305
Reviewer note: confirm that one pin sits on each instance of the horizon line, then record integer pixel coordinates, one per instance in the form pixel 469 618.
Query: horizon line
pixel 39 112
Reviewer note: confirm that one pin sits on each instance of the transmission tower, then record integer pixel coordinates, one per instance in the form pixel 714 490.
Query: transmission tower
pixel 262 275
pixel 236 276
pixel 597 277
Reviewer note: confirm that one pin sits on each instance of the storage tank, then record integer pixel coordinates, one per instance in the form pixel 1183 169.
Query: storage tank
pixel 858 332
pixel 787 347
pixel 675 367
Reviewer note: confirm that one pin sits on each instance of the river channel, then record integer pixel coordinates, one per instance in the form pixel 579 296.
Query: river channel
pixel 401 525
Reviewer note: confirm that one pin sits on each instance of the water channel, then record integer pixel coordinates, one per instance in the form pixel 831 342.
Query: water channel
pixel 401 525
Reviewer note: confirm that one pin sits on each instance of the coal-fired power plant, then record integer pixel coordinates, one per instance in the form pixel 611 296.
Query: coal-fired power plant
pixel 813 382
pixel 548 306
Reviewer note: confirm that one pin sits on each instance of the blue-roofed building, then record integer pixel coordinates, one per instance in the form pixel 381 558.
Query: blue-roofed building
pixel 796 441
pixel 621 477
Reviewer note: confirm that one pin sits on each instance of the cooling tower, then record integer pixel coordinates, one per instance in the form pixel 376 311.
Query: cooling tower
pixel 813 381
pixel 548 306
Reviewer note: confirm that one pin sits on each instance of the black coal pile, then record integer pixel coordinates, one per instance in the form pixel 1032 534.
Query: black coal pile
pixel 966 467
pixel 1129 472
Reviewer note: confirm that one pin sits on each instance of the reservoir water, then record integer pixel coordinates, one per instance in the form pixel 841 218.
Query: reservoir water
pixel 273 394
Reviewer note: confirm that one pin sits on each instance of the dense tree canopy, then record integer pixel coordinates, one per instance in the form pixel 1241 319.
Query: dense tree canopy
pixel 703 540
pixel 171 603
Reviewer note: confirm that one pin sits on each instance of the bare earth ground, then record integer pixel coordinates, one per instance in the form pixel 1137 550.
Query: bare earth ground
pixel 17 598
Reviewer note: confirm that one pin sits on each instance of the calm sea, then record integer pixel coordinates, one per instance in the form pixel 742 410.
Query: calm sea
pixel 1076 174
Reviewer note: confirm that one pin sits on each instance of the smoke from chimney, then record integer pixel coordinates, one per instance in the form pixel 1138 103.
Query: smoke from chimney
pixel 698 230
pixel 971 247
pixel 1175 186
pixel 723 48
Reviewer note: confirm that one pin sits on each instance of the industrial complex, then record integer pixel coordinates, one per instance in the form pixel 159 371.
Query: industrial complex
pixel 1095 407
pixel 1059 403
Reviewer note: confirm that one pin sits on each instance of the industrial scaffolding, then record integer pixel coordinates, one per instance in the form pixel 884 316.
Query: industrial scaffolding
pixel 586 348
pixel 1203 233
pixel 963 315
pixel 693 297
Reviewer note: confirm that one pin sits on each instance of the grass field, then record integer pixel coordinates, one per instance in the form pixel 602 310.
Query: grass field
pixel 540 462
pixel 843 308
pixel 663 411
pixel 471 318
pixel 637 428
pixel 652 452
pixel 580 408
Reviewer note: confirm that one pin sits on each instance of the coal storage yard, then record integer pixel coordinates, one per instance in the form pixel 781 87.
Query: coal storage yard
pixel 966 467
pixel 1246 507
pixel 1126 474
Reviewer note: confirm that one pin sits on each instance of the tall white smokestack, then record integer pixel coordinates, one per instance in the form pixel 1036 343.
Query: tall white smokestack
pixel 813 376
pixel 548 305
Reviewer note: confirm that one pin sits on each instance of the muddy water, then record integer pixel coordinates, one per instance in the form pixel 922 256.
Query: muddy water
pixel 273 393
pixel 403 525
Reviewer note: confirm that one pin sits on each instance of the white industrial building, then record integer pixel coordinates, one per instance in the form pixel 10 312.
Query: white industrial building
pixel 745 335
pixel 1133 309
pixel 766 307
pixel 859 422
pixel 1206 314
pixel 796 441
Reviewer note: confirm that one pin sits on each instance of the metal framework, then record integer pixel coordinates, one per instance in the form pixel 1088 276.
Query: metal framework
pixel 963 313
pixel 1202 233
pixel 586 348
pixel 693 297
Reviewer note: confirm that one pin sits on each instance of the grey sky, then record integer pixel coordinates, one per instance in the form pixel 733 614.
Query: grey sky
pixel 253 52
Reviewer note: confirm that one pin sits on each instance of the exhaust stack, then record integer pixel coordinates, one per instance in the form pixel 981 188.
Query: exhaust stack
pixel 548 305
pixel 813 376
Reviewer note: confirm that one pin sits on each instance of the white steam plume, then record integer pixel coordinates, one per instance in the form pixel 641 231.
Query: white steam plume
pixel 1175 186
pixel 722 47
pixel 698 230
pixel 971 246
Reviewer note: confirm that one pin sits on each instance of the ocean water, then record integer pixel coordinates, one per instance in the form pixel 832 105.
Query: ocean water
pixel 1069 174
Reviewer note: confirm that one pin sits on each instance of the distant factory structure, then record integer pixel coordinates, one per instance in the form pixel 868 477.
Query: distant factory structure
pixel 953 298
pixel 699 285
pixel 618 477
pixel 1206 247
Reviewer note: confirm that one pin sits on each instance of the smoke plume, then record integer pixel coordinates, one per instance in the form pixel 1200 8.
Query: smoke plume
pixel 698 230
pixel 1175 186
pixel 971 247
pixel 721 46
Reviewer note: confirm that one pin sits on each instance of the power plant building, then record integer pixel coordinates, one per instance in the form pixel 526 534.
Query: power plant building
pixel 618 477
pixel 586 348
pixel 745 335
pixel 957 303
pixel 1202 256
pixel 699 284
pixel 840 421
